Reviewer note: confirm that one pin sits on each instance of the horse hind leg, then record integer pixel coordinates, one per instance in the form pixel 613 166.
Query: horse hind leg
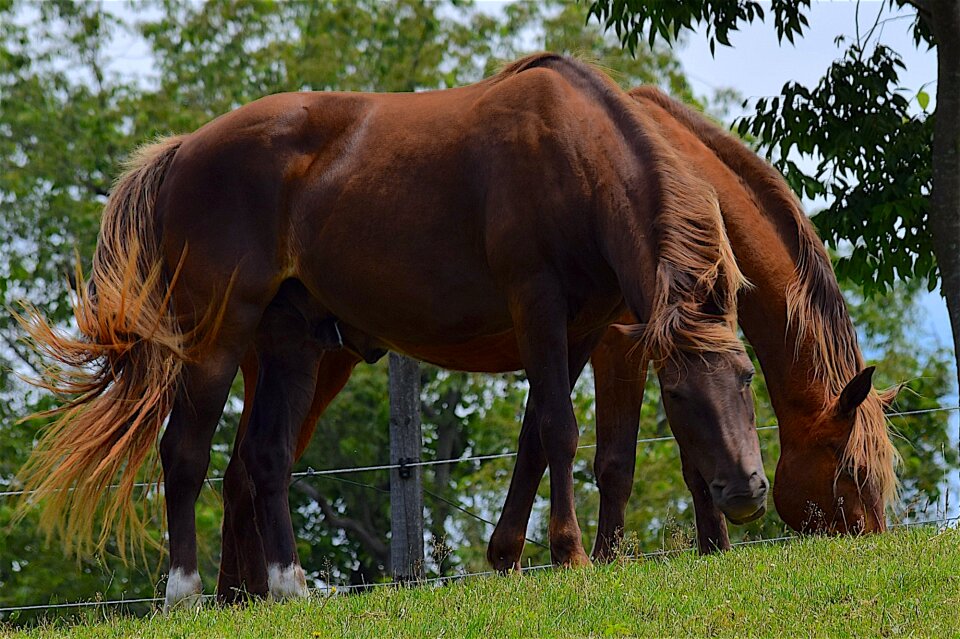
pixel 185 445
pixel 185 456
pixel 288 357
pixel 243 568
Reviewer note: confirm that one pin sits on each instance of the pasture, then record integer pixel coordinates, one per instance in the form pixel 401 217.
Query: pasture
pixel 401 202
pixel 906 582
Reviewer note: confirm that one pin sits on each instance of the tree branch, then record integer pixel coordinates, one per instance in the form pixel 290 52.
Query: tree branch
pixel 923 6
pixel 372 542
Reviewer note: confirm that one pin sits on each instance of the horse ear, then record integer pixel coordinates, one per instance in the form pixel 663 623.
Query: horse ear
pixel 856 391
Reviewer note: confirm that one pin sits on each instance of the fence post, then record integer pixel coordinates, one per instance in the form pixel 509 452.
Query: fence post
pixel 406 483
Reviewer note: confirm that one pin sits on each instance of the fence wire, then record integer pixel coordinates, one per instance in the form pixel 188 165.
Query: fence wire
pixel 311 472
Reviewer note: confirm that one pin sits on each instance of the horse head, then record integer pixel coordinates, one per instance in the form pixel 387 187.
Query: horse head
pixel 836 476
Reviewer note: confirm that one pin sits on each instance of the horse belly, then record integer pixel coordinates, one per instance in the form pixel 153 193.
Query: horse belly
pixel 400 276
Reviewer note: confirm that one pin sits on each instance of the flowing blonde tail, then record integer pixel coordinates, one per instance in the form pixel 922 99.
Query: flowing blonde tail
pixel 117 380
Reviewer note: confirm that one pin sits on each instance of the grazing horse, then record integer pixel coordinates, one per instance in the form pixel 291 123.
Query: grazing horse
pixel 512 220
pixel 835 472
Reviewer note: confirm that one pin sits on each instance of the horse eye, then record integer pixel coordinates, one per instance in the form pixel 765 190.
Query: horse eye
pixel 747 378
pixel 672 394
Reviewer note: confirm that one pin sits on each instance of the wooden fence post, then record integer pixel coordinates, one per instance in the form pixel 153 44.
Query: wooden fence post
pixel 406 482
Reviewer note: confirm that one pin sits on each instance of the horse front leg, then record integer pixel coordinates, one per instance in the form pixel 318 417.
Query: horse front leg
pixel 551 365
pixel 619 372
pixel 506 544
pixel 711 525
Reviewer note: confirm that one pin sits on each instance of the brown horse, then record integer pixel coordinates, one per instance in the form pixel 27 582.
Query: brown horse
pixel 836 466
pixel 512 220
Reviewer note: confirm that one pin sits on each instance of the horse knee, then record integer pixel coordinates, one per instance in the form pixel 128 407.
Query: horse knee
pixel 560 436
pixel 614 472
pixel 268 466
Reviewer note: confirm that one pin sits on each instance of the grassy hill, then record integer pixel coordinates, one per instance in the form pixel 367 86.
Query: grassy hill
pixel 902 583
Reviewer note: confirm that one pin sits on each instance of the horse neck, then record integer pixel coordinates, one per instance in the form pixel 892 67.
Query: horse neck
pixel 764 233
pixel 788 360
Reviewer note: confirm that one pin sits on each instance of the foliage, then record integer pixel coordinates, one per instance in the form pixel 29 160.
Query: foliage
pixel 901 583
pixel 873 165
pixel 667 20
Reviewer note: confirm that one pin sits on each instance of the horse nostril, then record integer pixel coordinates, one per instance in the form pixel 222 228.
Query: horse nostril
pixel 759 480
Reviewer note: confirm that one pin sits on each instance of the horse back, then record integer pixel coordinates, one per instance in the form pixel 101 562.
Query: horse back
pixel 422 208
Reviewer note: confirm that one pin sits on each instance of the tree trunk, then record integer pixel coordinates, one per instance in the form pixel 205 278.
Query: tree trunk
pixel 944 20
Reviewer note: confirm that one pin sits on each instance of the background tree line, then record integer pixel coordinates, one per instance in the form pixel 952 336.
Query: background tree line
pixel 68 117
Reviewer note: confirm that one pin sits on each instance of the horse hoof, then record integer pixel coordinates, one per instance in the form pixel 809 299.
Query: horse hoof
pixel 287 583
pixel 183 590
pixel 576 560
pixel 504 566
pixel 504 551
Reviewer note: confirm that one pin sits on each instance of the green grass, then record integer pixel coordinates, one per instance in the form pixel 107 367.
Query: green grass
pixel 901 583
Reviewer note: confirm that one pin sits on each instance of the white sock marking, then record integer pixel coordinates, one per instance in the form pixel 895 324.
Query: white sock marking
pixel 183 590
pixel 286 583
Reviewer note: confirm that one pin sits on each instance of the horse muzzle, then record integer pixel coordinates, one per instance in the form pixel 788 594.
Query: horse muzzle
pixel 741 502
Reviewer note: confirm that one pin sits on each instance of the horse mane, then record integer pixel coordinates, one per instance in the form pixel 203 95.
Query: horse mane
pixel 815 305
pixel 697 280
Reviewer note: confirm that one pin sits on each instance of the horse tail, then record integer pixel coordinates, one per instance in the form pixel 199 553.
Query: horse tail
pixel 117 380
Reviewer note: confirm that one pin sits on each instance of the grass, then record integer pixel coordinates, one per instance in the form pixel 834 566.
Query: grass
pixel 901 583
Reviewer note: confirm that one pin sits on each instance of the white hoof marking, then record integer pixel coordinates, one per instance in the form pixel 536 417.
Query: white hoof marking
pixel 183 590
pixel 286 583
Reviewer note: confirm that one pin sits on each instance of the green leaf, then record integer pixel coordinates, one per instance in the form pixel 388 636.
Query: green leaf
pixel 923 99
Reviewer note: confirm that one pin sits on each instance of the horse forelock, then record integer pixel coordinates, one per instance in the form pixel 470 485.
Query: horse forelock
pixel 815 304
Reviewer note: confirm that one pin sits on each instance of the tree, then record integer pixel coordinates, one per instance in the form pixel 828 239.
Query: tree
pixel 894 178
pixel 66 122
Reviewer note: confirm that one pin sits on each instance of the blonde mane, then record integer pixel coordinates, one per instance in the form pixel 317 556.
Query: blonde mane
pixel 697 280
pixel 696 269
pixel 815 305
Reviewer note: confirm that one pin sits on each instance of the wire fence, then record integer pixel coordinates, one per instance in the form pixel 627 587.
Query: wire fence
pixel 331 588
pixel 311 472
